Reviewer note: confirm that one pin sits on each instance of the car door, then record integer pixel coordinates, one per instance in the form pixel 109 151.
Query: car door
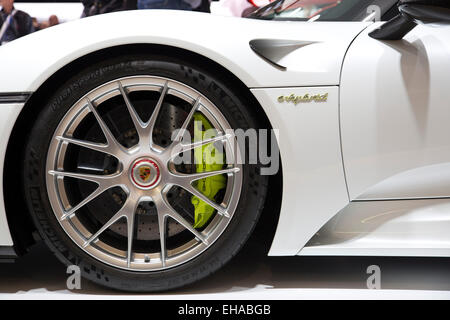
pixel 395 116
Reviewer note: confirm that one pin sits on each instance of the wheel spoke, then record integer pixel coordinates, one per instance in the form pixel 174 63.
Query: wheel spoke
pixel 174 215
pixel 152 121
pixel 162 236
pixel 186 122
pixel 113 220
pixel 85 201
pixel 127 210
pixel 170 212
pixel 137 121
pixel 100 147
pixel 154 116
pixel 144 130
pixel 220 210
pixel 111 141
pixel 180 147
pixel 188 178
pixel 97 178
pixel 130 234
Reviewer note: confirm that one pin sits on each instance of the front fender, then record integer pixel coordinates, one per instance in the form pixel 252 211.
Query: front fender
pixel 34 58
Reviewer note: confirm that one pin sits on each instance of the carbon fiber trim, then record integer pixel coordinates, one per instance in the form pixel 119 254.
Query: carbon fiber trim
pixel 7 254
pixel 14 97
pixel 273 50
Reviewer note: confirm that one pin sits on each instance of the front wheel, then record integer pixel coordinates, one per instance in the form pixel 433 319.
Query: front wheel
pixel 132 174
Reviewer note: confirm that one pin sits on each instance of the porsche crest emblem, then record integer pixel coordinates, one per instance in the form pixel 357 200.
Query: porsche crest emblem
pixel 144 173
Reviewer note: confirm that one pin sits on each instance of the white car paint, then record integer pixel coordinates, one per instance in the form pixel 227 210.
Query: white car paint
pixel 8 112
pixel 332 152
pixel 386 228
pixel 312 163
pixel 395 116
pixel 231 49
pixel 227 46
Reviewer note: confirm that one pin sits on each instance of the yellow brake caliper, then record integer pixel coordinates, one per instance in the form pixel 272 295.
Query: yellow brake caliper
pixel 205 159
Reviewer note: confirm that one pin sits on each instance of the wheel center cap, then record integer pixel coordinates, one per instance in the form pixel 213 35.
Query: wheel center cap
pixel 145 173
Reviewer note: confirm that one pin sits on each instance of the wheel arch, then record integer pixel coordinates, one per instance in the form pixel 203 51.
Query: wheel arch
pixel 20 223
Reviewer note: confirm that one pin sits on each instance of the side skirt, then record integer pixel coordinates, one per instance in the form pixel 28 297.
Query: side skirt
pixel 7 255
pixel 386 228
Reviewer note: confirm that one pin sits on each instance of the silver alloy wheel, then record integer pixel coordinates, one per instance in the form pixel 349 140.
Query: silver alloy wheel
pixel 158 164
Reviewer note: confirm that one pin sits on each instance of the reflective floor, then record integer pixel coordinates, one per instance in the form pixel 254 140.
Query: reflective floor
pixel 250 275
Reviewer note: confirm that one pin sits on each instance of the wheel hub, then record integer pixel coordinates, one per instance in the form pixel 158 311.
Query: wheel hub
pixel 145 173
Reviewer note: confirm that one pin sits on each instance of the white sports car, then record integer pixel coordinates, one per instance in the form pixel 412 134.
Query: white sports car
pixel 96 117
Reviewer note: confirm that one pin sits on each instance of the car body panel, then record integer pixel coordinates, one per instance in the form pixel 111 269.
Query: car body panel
pixel 8 113
pixel 386 228
pixel 230 48
pixel 312 163
pixel 395 116
pixel 227 46
pixel 394 123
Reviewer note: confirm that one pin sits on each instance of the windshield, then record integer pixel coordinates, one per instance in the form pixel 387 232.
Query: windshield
pixel 325 10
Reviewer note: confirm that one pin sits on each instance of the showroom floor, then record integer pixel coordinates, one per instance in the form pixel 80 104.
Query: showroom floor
pixel 250 275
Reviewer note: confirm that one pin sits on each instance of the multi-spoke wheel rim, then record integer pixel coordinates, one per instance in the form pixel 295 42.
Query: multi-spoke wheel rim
pixel 159 163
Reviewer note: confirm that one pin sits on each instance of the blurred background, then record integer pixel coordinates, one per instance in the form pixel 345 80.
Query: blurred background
pixel 19 18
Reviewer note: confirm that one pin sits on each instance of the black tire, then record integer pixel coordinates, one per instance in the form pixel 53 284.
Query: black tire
pixel 254 187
